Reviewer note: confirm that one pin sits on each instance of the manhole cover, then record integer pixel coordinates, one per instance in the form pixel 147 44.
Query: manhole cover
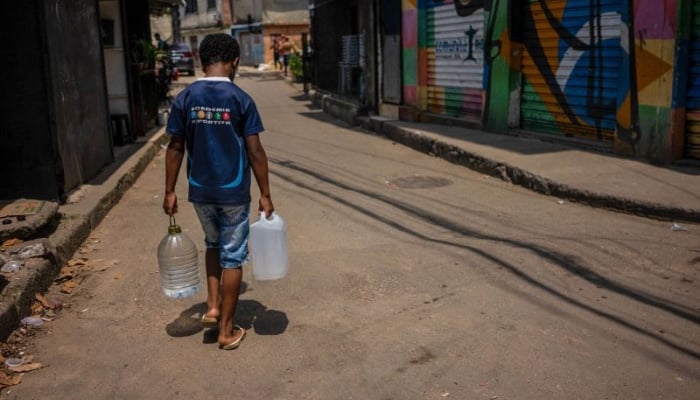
pixel 420 182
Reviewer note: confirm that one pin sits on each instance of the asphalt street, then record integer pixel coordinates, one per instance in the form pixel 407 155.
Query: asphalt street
pixel 411 278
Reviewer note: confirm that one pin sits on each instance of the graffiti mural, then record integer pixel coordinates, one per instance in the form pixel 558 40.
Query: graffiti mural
pixel 454 50
pixel 643 115
pixel 443 62
pixel 409 45
pixel 598 69
pixel 570 66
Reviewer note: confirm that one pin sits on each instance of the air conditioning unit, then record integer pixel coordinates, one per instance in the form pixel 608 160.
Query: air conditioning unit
pixel 215 16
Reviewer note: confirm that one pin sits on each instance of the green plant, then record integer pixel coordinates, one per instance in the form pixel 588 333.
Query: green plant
pixel 296 66
pixel 144 52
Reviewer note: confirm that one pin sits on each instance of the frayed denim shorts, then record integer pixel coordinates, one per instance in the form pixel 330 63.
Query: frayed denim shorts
pixel 226 228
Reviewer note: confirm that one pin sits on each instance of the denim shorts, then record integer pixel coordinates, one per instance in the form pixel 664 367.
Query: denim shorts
pixel 226 228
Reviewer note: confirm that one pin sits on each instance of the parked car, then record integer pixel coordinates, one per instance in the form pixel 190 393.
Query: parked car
pixel 181 56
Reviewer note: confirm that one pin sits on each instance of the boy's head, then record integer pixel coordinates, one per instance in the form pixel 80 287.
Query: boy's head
pixel 219 47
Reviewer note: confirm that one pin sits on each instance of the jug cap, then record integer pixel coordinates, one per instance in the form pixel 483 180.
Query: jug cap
pixel 173 228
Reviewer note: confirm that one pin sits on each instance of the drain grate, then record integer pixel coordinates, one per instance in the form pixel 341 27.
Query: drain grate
pixel 420 182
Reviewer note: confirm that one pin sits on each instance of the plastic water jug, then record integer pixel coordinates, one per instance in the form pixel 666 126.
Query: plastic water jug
pixel 177 262
pixel 268 243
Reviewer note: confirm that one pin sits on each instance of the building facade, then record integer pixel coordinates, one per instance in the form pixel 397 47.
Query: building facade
pixel 614 72
pixel 619 75
pixel 254 23
pixel 69 72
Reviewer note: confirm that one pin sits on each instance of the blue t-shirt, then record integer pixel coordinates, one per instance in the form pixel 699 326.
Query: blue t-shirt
pixel 214 116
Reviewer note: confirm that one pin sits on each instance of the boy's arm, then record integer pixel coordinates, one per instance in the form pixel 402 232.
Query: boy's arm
pixel 173 160
pixel 258 162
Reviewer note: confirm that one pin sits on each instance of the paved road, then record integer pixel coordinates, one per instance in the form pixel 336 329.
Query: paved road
pixel 411 278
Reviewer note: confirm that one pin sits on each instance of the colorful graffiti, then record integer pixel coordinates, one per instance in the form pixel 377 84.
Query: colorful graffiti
pixel 643 115
pixel 600 69
pixel 443 56
pixel 409 38
pixel 627 101
pixel 570 66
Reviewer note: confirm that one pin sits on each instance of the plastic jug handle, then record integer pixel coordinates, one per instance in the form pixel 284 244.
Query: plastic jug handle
pixel 262 216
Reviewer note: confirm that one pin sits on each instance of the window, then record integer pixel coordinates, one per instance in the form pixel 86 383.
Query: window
pixel 191 7
pixel 211 4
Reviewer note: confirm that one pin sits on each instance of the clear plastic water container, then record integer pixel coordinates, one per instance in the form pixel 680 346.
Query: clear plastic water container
pixel 268 243
pixel 178 264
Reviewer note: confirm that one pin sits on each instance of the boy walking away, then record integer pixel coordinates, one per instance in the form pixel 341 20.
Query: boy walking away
pixel 217 124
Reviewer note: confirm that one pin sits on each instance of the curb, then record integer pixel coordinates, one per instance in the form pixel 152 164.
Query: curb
pixel 521 177
pixel 77 222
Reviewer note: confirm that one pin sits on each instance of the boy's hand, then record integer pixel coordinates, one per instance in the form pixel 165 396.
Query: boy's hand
pixel 265 204
pixel 170 203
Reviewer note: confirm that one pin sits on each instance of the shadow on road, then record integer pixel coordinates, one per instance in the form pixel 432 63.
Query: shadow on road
pixel 564 261
pixel 250 314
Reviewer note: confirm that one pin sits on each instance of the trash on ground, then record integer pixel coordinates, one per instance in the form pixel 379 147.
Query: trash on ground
pixel 678 228
pixel 14 362
pixel 12 266
pixel 34 250
pixel 32 321
pixel 47 303
pixel 560 202
pixel 26 367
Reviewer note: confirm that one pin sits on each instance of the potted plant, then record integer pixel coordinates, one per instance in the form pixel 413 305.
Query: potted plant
pixel 296 67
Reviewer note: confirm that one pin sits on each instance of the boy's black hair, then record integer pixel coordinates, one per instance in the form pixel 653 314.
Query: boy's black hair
pixel 218 47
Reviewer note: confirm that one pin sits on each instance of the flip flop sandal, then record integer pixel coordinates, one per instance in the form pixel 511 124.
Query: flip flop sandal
pixel 209 322
pixel 235 343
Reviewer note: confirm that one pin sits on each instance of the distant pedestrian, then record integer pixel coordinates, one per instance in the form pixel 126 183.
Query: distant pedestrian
pixel 217 124
pixel 277 60
pixel 160 43
pixel 286 48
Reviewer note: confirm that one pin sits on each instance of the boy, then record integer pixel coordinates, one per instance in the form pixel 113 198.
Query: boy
pixel 218 124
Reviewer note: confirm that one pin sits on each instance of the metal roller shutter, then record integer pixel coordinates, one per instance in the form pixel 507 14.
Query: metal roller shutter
pixel 455 60
pixel 693 101
pixel 571 66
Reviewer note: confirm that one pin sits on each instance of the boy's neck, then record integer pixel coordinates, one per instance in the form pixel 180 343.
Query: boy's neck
pixel 217 70
pixel 215 74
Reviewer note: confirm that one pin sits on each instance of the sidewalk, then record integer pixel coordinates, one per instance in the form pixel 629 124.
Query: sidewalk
pixel 86 209
pixel 568 172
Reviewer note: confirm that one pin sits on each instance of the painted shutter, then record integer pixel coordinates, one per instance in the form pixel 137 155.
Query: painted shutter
pixel 455 47
pixel 571 66
pixel 692 124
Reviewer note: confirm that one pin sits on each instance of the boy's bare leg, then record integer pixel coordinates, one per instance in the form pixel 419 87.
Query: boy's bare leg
pixel 231 286
pixel 213 266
